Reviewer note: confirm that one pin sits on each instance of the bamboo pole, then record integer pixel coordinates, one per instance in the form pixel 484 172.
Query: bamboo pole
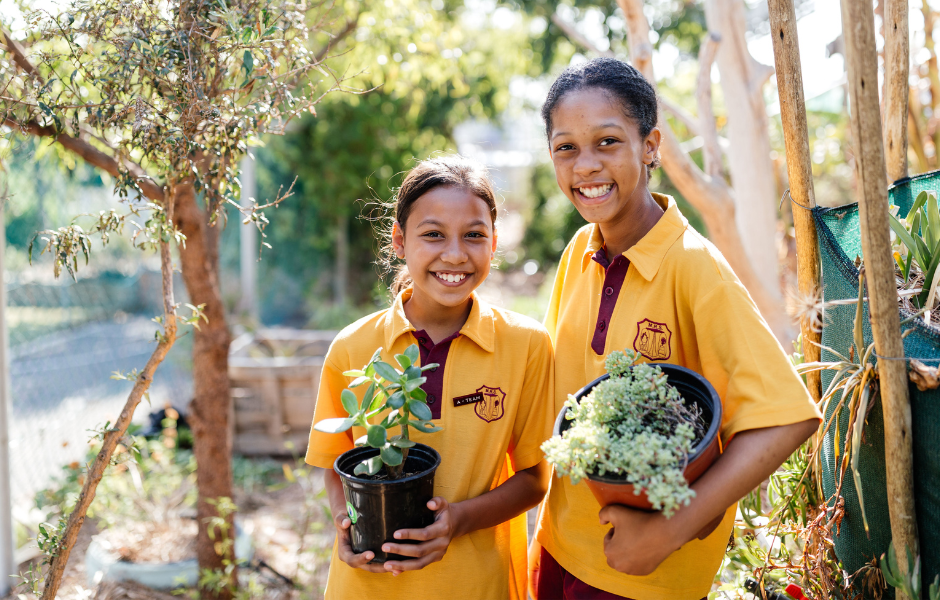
pixel 799 168
pixel 858 25
pixel 897 87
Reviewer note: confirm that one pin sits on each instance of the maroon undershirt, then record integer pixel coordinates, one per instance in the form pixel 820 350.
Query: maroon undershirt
pixel 434 353
pixel 616 273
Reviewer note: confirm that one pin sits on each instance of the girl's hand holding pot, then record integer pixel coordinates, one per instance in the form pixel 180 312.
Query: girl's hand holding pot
pixel 344 548
pixel 435 539
pixel 639 540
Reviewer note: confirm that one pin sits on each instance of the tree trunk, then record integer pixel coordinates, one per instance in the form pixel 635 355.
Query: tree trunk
pixel 210 406
pixel 750 167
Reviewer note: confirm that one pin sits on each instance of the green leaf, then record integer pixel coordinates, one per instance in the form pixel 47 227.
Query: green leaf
pixel 412 372
pixel 412 353
pixel 350 402
pixel 248 63
pixel 376 434
pixel 933 218
pixel 418 394
pixel 918 202
pixel 397 400
pixel 369 466
pixel 389 420
pixel 377 398
pixel 430 366
pixel 391 456
pixel 403 361
pixel 905 236
pixel 413 384
pixel 419 409
pixel 424 427
pixel 400 443
pixel 334 425
pixel 354 373
pixel 386 371
pixel 359 381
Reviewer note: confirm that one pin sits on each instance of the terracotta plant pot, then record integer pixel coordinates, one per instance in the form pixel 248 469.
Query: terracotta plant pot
pixel 613 489
pixel 385 506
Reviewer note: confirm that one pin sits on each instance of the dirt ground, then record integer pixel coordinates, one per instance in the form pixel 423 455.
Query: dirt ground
pixel 274 519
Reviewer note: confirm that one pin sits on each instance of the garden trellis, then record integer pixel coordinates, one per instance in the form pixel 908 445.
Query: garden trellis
pixel 872 239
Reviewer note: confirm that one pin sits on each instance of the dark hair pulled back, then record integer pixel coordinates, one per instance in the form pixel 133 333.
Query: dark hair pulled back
pixel 620 80
pixel 451 170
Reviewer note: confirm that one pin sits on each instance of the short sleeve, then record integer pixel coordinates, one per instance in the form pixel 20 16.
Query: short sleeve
pixel 534 419
pixel 745 363
pixel 324 448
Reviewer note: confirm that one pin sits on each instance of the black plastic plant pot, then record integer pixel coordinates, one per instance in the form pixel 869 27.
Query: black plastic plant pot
pixel 613 489
pixel 383 506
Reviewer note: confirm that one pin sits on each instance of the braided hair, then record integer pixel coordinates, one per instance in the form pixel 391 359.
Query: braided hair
pixel 621 81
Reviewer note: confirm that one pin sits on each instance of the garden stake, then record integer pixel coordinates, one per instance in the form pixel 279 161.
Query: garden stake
pixel 861 61
pixel 799 169
pixel 896 92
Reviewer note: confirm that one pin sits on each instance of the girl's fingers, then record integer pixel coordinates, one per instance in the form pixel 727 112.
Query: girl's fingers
pixel 435 530
pixel 399 566
pixel 437 503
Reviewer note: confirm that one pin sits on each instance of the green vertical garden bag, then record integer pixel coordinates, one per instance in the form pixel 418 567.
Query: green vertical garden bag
pixel 839 246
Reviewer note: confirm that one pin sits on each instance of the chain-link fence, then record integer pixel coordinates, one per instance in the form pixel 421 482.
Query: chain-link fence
pixel 66 342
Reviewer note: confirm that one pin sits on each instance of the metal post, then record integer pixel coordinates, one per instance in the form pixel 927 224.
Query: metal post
pixel 7 562
pixel 249 244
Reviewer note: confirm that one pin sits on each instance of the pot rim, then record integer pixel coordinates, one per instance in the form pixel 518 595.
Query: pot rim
pixel 711 434
pixel 434 454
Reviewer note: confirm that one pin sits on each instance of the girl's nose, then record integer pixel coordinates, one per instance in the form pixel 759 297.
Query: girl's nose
pixel 454 253
pixel 587 163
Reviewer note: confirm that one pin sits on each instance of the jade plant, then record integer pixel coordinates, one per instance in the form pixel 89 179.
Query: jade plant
pixel 635 425
pixel 396 391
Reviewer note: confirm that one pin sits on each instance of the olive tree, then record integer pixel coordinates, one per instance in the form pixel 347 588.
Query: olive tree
pixel 165 96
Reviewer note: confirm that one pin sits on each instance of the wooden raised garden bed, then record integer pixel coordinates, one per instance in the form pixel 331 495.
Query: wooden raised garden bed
pixel 275 375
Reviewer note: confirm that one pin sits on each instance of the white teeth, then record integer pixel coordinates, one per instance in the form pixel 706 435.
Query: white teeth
pixel 451 278
pixel 595 192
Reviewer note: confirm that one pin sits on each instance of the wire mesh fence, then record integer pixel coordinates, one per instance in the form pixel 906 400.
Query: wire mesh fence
pixel 66 341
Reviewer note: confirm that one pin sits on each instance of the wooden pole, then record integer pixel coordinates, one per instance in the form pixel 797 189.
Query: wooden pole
pixel 799 168
pixel 858 26
pixel 897 87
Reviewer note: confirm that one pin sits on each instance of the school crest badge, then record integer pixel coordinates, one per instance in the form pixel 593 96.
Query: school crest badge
pixel 491 407
pixel 653 340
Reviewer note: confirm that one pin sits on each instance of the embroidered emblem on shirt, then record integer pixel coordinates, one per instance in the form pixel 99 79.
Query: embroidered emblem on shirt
pixel 652 340
pixel 491 407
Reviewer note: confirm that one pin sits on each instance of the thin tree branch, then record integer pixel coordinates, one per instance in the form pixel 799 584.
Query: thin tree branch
pixel 687 119
pixel 703 96
pixel 18 53
pixel 575 36
pixel 351 25
pixel 114 435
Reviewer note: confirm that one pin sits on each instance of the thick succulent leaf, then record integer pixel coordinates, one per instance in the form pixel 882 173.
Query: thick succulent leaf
pixel 403 361
pixel 334 425
pixel 412 353
pixel 419 409
pixel 370 466
pixel 397 400
pixel 350 402
pixel 412 372
pixel 425 426
pixel 376 435
pixel 414 384
pixel 391 456
pixel 386 371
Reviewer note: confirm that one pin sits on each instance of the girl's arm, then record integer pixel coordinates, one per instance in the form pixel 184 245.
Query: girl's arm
pixel 516 495
pixel 334 492
pixel 640 541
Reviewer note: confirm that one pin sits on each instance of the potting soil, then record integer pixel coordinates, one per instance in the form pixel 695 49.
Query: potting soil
pixel 839 245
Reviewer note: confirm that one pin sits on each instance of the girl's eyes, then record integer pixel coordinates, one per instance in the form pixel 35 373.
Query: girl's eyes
pixel 604 142
pixel 439 235
pixel 564 147
pixel 608 141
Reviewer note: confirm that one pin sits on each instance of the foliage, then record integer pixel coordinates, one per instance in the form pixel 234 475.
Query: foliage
pixel 634 424
pixel 424 66
pixel 389 390
pixel 919 236
pixel 909 581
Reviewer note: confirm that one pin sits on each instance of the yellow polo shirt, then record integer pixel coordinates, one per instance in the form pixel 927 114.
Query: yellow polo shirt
pixel 673 298
pixel 480 447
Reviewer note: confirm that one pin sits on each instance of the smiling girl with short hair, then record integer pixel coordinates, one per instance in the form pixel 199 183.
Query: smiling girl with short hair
pixel 491 469
pixel 638 276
